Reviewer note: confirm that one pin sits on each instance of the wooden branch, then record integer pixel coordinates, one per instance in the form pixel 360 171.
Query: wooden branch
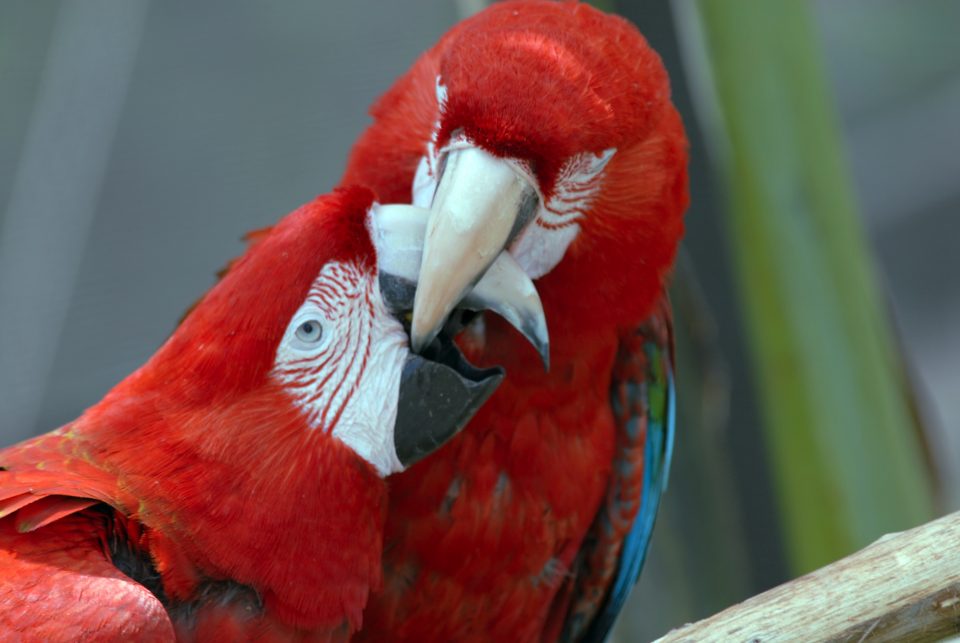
pixel 904 587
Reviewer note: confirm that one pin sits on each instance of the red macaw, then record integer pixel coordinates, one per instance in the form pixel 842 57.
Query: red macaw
pixel 231 488
pixel 541 136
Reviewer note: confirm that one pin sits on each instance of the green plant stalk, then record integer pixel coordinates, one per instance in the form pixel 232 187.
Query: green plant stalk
pixel 844 448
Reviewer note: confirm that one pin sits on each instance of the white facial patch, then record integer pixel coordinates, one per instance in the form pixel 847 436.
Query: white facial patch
pixel 541 246
pixel 425 179
pixel 340 359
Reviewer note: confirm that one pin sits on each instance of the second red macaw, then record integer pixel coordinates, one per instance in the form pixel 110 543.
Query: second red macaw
pixel 231 489
pixel 542 139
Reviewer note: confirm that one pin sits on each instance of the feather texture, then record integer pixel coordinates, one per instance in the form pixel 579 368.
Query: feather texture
pixel 643 401
pixel 482 538
pixel 197 499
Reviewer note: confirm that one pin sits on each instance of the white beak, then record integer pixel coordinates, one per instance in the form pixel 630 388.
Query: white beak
pixel 475 212
pixel 480 204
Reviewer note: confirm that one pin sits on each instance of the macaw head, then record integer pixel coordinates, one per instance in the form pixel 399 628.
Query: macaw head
pixel 253 444
pixel 553 142
pixel 296 340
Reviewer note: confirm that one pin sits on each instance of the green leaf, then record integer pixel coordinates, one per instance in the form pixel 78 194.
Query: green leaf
pixel 843 444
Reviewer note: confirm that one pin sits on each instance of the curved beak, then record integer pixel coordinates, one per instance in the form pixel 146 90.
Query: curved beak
pixel 481 203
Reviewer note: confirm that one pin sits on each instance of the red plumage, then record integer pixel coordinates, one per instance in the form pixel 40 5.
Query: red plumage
pixel 198 477
pixel 480 539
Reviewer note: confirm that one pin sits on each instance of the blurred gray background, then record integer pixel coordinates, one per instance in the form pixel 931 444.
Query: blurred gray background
pixel 139 140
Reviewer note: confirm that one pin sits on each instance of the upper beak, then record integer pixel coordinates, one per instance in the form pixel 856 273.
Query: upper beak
pixel 481 203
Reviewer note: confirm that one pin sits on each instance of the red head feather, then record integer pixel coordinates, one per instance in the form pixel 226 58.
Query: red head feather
pixel 546 88
pixel 543 82
pixel 246 313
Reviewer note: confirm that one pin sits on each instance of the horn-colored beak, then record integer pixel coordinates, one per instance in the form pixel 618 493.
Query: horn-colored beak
pixel 504 288
pixel 480 204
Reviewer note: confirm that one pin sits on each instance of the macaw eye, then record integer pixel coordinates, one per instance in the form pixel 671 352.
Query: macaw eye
pixel 309 332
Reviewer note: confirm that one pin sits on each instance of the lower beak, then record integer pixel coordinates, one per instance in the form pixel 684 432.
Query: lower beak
pixel 439 393
pixel 481 203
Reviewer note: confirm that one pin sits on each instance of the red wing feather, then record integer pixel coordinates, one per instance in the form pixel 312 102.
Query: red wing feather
pixel 48 510
pixel 54 464
pixel 59 585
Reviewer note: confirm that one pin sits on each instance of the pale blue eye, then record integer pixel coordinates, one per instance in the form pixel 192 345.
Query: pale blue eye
pixel 309 331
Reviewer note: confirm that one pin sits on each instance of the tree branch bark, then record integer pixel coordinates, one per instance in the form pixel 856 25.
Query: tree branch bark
pixel 904 587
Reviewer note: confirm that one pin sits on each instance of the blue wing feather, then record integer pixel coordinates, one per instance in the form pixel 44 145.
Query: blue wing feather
pixel 658 453
pixel 643 399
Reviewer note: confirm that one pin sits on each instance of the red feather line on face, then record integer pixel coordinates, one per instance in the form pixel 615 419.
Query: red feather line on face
pixel 324 383
pixel 573 198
